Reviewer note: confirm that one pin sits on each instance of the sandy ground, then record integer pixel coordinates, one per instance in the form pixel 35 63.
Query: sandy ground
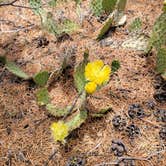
pixel 25 138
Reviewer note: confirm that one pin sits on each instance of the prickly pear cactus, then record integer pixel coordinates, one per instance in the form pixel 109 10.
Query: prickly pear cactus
pixel 79 78
pixel 100 6
pixel 57 112
pixel 138 42
pixel 77 120
pixel 108 5
pixel 158 36
pixel 158 41
pixel 96 7
pixel 116 17
pixel 16 70
pixel 161 60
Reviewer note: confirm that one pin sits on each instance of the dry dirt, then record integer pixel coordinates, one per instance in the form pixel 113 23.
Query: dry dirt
pixel 25 138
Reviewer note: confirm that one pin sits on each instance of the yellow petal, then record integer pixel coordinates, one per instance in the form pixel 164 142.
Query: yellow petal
pixel 98 64
pixel 97 72
pixel 103 75
pixel 59 131
pixel 92 69
pixel 90 87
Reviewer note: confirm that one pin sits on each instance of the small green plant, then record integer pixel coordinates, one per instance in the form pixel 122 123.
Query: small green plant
pixel 135 25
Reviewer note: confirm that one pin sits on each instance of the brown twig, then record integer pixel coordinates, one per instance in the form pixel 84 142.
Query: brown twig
pixel 3 70
pixel 151 123
pixel 155 153
pixel 97 97
pixel 8 4
pixel 50 158
pixel 9 161
pixel 18 29
pixel 39 122
pixel 120 159
pixel 73 105
pixel 14 5
pixel 8 22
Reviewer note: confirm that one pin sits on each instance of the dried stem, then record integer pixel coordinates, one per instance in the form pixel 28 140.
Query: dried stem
pixel 50 158
pixel 120 159
pixel 151 123
pixel 8 4
pixel 14 5
pixel 73 105
pixel 18 29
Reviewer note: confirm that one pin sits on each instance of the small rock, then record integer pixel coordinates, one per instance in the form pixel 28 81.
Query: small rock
pixel 106 42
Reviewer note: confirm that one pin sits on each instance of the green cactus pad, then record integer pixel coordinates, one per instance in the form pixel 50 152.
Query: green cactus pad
pixel 43 96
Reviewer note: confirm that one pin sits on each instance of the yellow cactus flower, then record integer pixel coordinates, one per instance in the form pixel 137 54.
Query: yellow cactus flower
pixel 90 87
pixel 59 131
pixel 97 72
pixel 92 69
pixel 103 75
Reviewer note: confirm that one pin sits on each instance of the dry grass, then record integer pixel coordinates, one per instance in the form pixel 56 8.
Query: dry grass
pixel 26 141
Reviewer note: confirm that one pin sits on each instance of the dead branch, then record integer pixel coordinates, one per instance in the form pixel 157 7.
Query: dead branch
pixel 14 5
pixel 18 29
pixel 73 105
pixel 121 159
pixel 50 158
pixel 151 123
pixel 8 4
